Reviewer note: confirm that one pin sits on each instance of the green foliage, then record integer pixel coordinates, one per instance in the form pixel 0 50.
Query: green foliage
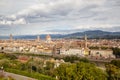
pixel 96 47
pixel 32 54
pixel 1 56
pixel 93 47
pixel 4 63
pixel 66 72
pixel 9 61
pixel 104 48
pixel 116 51
pixel 49 65
pixel 49 69
pixel 116 63
pixel 23 66
pixel 34 68
pixel 84 60
pixel 8 56
pixel 80 71
pixel 113 72
pixel 33 74
pixel 11 56
pixel 73 59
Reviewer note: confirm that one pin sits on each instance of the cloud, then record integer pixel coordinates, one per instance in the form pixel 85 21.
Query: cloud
pixel 59 7
pixel 56 9
pixel 94 26
pixel 61 15
pixel 12 22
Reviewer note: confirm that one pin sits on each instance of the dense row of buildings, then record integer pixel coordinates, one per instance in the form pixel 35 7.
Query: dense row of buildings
pixel 58 47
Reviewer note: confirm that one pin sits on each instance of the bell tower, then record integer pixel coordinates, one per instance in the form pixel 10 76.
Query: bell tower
pixel 85 39
pixel 38 38
pixel 11 37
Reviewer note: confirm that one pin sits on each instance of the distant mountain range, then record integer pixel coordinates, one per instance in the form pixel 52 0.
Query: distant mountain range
pixel 95 34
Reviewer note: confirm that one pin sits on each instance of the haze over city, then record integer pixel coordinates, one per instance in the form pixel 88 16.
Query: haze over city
pixel 21 17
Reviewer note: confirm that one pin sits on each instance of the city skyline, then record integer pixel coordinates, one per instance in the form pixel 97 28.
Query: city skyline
pixel 58 16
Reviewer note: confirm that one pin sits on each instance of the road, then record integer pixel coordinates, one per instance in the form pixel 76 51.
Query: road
pixel 18 77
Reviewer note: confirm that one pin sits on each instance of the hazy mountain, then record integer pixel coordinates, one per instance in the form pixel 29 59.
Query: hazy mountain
pixel 95 34
pixel 90 34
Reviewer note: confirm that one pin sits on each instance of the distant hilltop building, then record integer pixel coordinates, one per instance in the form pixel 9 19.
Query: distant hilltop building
pixel 48 38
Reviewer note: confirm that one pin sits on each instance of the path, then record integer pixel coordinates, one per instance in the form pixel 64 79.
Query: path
pixel 18 77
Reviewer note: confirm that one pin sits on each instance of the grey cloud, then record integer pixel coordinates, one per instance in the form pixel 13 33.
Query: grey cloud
pixel 111 3
pixel 56 9
pixel 44 14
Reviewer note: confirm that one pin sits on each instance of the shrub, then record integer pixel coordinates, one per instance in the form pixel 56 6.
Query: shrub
pixel 32 75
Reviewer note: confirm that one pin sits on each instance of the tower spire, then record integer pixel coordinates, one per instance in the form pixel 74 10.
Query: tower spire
pixel 85 38
pixel 11 37
pixel 38 38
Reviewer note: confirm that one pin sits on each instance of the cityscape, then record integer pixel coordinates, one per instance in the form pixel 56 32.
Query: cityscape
pixel 59 40
pixel 81 47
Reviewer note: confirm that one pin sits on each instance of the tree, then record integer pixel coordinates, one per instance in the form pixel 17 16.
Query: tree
pixel 116 52
pixel 23 66
pixel 80 71
pixel 11 56
pixel 66 72
pixel 84 60
pixel 116 63
pixel 73 59
pixel 49 68
pixel 113 72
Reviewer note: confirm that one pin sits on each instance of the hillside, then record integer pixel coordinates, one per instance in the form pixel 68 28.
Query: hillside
pixel 90 34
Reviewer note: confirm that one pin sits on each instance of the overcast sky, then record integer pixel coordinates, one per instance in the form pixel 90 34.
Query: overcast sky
pixel 19 17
